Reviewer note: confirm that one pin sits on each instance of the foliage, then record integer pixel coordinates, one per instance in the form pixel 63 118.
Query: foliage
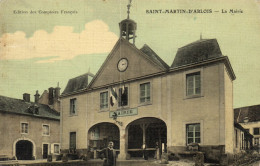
pixel 245 158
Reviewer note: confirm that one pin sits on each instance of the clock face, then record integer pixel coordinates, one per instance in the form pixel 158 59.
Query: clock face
pixel 122 64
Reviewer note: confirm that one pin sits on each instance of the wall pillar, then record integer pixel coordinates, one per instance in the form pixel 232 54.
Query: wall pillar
pixel 144 127
pixel 123 143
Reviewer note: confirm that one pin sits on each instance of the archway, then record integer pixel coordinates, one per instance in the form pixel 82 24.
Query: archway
pixel 100 134
pixel 149 130
pixel 24 150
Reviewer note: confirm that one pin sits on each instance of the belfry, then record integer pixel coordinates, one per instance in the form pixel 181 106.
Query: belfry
pixel 128 27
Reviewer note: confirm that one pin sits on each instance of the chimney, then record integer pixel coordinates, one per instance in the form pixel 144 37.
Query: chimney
pixel 51 96
pixel 57 91
pixel 26 97
pixel 36 97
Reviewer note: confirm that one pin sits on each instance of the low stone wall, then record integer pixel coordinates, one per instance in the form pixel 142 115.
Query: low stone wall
pixel 211 153
pixel 69 163
pixel 77 154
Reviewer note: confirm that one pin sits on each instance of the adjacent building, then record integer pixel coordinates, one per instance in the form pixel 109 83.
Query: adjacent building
pixel 243 139
pixel 137 98
pixel 29 130
pixel 249 118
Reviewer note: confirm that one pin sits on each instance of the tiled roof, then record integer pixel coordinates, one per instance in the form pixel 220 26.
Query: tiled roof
pixel 252 113
pixel 153 56
pixel 197 51
pixel 18 106
pixel 78 83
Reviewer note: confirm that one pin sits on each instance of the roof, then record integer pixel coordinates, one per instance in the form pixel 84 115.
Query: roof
pixel 252 113
pixel 127 20
pixel 238 126
pixel 153 56
pixel 78 83
pixel 197 51
pixel 18 106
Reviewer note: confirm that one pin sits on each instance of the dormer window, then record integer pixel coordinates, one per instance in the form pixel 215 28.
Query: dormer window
pixel 36 111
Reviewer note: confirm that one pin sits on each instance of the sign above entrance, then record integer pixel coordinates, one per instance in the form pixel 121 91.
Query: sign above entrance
pixel 121 113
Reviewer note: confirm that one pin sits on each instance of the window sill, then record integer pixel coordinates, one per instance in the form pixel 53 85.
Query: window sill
pixel 193 96
pixel 45 135
pixel 25 133
pixel 71 115
pixel 103 110
pixel 144 104
pixel 123 107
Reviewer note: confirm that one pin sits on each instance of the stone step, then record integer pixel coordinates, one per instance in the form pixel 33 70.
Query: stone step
pixel 125 163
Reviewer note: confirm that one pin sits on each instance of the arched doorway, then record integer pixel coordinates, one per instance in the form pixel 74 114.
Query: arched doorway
pixel 149 130
pixel 24 150
pixel 99 136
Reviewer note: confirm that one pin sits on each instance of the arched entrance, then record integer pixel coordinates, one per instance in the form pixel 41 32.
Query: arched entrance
pixel 100 134
pixel 150 130
pixel 24 150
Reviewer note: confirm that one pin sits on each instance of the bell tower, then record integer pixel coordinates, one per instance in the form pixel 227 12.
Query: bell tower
pixel 128 27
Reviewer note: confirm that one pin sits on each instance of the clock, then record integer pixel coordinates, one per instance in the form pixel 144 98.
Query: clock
pixel 122 64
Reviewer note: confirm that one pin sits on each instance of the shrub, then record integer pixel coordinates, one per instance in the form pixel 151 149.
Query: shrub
pixel 245 158
pixel 64 158
pixel 173 157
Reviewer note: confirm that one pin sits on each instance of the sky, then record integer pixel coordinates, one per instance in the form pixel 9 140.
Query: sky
pixel 43 42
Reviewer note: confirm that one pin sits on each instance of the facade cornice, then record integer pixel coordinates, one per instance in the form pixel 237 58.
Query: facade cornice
pixel 223 59
pixel 34 116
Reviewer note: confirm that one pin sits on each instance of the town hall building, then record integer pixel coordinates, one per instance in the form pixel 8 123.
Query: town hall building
pixel 136 98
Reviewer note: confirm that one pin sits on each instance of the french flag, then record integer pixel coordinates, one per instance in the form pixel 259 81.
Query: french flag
pixel 113 96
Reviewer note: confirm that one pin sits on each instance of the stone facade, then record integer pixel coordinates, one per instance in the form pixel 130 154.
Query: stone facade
pixel 11 132
pixel 168 107
pixel 29 130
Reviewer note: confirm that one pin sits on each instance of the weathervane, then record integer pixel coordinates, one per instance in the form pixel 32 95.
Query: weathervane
pixel 128 8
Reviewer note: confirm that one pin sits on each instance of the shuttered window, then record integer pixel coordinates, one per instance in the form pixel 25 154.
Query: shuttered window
pixel 72 140
pixel 193 133
pixel 45 129
pixel 193 84
pixel 73 106
pixel 24 128
pixel 123 96
pixel 103 100
pixel 145 95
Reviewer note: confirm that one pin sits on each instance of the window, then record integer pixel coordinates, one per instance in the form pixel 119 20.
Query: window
pixel 103 100
pixel 72 140
pixel 24 128
pixel 256 131
pixel 72 106
pixel 123 96
pixel 256 141
pixel 193 86
pixel 145 93
pixel 193 133
pixel 45 130
pixel 247 130
pixel 56 148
